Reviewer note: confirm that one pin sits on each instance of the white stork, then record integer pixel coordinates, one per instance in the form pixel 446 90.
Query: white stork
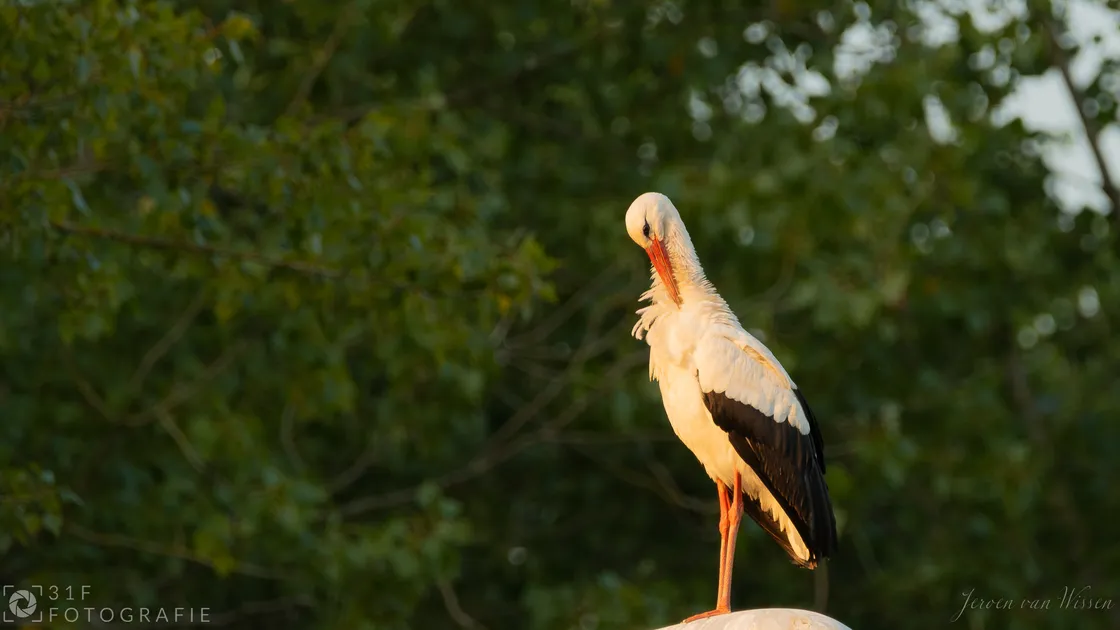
pixel 730 402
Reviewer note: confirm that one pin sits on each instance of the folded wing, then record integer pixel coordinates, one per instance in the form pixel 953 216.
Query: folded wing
pixel 771 427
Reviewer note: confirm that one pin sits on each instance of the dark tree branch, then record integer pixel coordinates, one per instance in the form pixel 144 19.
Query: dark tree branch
pixel 288 440
pixel 81 167
pixel 181 440
pixel 355 470
pixel 345 19
pixel 251 609
pixel 1059 495
pixel 820 589
pixel 159 549
pixel 25 105
pixel 589 438
pixel 1061 59
pixel 659 484
pixel 497 453
pixel 173 334
pixel 181 393
pixel 454 609
pixel 468 93
pixel 562 314
pixel 589 348
pixel 86 389
pixel 154 242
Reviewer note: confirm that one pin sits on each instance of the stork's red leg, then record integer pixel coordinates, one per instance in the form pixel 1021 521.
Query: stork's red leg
pixel 726 544
pixel 734 517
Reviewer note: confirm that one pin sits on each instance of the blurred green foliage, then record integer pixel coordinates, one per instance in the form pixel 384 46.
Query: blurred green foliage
pixel 316 314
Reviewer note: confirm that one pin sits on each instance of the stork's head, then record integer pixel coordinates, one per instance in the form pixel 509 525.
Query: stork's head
pixel 650 222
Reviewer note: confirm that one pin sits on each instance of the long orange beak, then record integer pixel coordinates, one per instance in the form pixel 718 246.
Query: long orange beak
pixel 660 259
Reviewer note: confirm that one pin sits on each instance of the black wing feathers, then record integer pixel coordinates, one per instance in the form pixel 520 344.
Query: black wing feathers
pixel 790 465
pixel 814 429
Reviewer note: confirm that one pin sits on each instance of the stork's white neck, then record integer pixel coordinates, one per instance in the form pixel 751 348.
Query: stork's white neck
pixel 692 284
pixel 687 271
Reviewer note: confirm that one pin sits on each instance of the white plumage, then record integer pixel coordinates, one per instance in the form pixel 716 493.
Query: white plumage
pixel 705 362
pixel 701 347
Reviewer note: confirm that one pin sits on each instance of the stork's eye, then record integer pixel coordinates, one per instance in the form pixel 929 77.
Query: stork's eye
pixel 645 230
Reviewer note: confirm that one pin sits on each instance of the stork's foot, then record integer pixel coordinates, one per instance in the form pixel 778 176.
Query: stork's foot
pixel 711 613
